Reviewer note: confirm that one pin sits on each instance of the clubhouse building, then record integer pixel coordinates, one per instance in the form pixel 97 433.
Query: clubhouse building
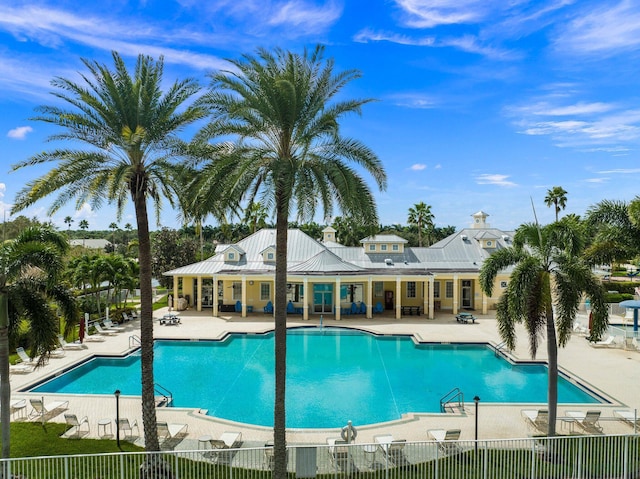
pixel 382 276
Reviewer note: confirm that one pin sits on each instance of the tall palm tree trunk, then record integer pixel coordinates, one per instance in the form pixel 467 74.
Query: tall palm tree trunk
pixel 146 326
pixel 5 386
pixel 552 355
pixel 419 234
pixel 279 422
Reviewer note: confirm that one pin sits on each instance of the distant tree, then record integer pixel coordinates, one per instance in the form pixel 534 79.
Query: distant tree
pixel 84 226
pixel 350 231
pixel 68 220
pixel 312 229
pixel 420 215
pixel 113 227
pixel 170 250
pixel 255 216
pixel 440 233
pixel 556 197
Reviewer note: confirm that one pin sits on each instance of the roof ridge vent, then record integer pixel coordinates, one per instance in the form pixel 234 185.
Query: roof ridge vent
pixel 464 237
pixel 505 237
pixel 388 261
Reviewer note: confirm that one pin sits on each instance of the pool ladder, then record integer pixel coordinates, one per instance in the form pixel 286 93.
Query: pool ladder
pixel 134 340
pixel 500 348
pixel 164 397
pixel 451 400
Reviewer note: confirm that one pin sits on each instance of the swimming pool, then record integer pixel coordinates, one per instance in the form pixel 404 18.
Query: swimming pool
pixel 333 375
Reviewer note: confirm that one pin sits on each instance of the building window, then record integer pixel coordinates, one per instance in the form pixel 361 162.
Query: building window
pixel 378 286
pixel 237 290
pixel 411 289
pixel 270 256
pixel 448 289
pixel 503 284
pixel 489 243
pixel 265 291
pixel 372 247
pixel 436 289
pixel 383 247
pixel 232 256
pixel 395 247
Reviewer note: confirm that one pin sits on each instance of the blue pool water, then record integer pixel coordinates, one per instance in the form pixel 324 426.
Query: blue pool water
pixel 332 376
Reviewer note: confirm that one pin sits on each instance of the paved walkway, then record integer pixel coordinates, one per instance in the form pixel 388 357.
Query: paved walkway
pixel 614 372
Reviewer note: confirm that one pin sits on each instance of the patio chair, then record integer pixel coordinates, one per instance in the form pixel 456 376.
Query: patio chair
pixel 126 317
pixel 21 368
pixel 447 440
pixel 44 411
pixel 238 307
pixel 126 427
pixel 363 308
pixel 604 343
pixel 108 324
pixel 291 309
pixel 69 346
pixel 76 426
pixel 340 456
pixel 268 308
pixel 536 418
pixel 221 448
pixel 134 314
pixel 24 357
pixel 354 308
pixel 378 308
pixel 104 332
pixel 92 338
pixel 629 417
pixel 588 422
pixel 171 431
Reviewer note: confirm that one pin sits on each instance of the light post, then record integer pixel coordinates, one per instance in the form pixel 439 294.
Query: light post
pixel 117 394
pixel 476 400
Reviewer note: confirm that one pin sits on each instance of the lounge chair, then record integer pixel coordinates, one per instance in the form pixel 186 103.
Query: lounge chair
pixel 24 357
pixel 92 338
pixel 76 425
pixel 109 325
pixel 604 343
pixel 363 308
pixel 134 315
pixel 630 417
pixel 238 307
pixel 69 346
pixel 268 309
pixel 537 418
pixel 378 308
pixel 447 440
pixel 340 456
pixel 126 427
pixel 21 368
pixel 126 317
pixel 588 422
pixel 220 448
pixel 104 332
pixel 354 308
pixel 291 309
pixel 40 410
pixel 635 344
pixel 171 431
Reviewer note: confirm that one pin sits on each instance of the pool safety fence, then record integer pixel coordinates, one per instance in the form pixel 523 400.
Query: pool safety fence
pixel 535 458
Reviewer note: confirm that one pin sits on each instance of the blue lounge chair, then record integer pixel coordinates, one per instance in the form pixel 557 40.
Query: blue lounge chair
pixel 354 308
pixel 238 306
pixel 290 308
pixel 269 308
pixel 378 308
pixel 363 308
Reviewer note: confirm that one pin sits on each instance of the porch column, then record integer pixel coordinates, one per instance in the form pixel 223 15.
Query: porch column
pixel 398 297
pixel 432 280
pixel 214 295
pixel 243 296
pixel 199 305
pixel 425 300
pixel 370 298
pixel 456 292
pixel 176 280
pixel 485 303
pixel 305 303
pixel 337 299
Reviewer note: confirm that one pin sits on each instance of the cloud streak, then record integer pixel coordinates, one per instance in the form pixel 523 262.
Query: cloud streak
pixel 19 133
pixel 494 179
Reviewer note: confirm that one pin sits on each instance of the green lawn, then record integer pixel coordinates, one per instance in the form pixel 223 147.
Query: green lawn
pixel 32 439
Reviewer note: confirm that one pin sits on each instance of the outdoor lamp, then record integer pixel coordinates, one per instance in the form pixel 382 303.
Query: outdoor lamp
pixel 117 394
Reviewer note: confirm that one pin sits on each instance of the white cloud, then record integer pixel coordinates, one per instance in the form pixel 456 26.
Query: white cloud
pixel 544 108
pixel 620 171
pixel 19 133
pixel 307 17
pixel 609 29
pixel 494 179
pixel 367 35
pixel 413 100
pixel 431 13
pixel 437 167
pixel 597 180
pixel 418 167
pixel 85 212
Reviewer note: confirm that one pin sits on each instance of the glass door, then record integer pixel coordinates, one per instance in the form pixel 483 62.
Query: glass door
pixel 467 299
pixel 322 298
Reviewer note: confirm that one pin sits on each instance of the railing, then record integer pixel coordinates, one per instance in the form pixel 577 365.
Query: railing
pixel 164 397
pixel 453 396
pixel 500 348
pixel 603 457
pixel 134 340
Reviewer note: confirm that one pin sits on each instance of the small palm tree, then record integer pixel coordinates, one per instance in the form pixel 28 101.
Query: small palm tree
pixel 68 220
pixel 128 129
pixel 557 197
pixel 544 292
pixel 282 111
pixel 84 226
pixel 420 215
pixel 255 215
pixel 30 272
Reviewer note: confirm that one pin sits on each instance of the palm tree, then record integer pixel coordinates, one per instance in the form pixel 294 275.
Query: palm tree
pixel 84 226
pixel 128 127
pixel 113 227
pixel 420 215
pixel 68 220
pixel 255 216
pixel 544 292
pixel 281 108
pixel 30 268
pixel 557 197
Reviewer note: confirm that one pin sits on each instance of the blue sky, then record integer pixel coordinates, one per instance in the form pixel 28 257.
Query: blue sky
pixel 481 104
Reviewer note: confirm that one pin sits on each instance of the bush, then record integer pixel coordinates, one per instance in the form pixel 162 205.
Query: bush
pixel 617 297
pixel 621 286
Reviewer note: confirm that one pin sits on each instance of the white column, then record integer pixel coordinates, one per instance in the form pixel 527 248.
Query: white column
pixel 485 303
pixel 370 298
pixel 305 303
pixel 199 305
pixel 243 296
pixel 176 280
pixel 337 300
pixel 214 294
pixel 456 293
pixel 432 281
pixel 425 301
pixel 398 297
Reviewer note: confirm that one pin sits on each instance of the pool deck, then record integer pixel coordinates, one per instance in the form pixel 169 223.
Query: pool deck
pixel 612 371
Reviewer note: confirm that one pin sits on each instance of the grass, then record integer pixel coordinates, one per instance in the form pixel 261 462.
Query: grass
pixel 33 439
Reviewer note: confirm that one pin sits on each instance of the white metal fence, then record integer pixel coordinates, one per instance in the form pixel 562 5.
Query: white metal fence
pixel 535 458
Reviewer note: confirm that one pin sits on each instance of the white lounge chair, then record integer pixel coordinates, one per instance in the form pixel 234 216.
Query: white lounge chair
pixel 220 448
pixel 69 346
pixel 46 411
pixel 24 357
pixel 110 325
pixel 604 343
pixel 538 419
pixel 340 456
pixel 127 427
pixel 446 440
pixel 93 338
pixel 630 417
pixel 171 431
pixel 587 421
pixel 76 425
pixel 104 332
pixel 20 368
